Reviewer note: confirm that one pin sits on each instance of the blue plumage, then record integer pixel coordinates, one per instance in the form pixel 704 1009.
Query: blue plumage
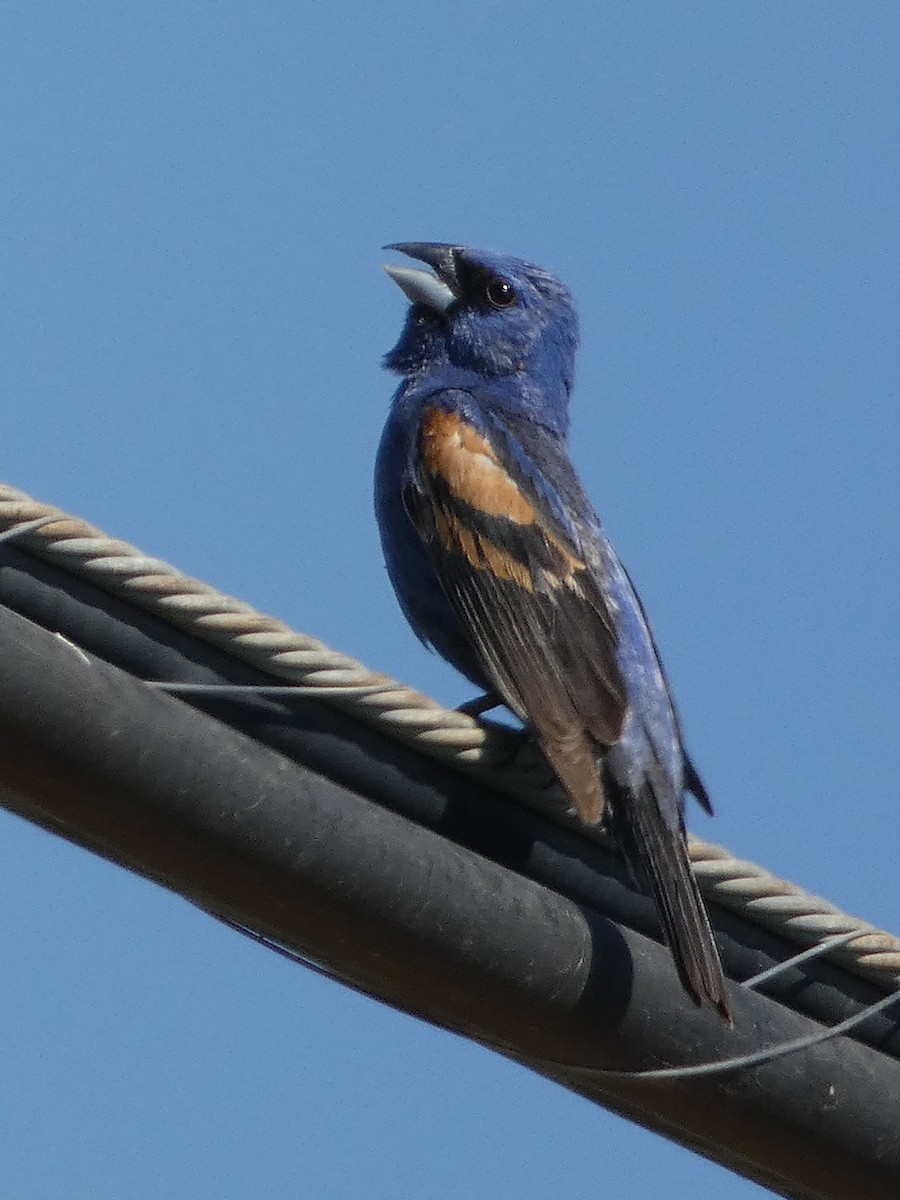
pixel 500 563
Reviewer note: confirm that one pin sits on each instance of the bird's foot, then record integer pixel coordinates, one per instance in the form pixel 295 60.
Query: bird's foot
pixel 480 705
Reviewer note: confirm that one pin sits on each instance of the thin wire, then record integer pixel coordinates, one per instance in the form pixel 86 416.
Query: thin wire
pixel 239 691
pixel 804 956
pixel 757 1057
pixel 9 535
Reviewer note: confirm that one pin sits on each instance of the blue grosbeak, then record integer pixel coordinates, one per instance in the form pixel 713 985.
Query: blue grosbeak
pixel 500 563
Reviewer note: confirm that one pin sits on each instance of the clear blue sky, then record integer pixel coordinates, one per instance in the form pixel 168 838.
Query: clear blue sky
pixel 193 314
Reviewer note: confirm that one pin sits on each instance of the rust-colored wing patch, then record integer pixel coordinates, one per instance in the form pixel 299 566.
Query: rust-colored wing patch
pixel 467 465
pixel 466 461
pixel 480 551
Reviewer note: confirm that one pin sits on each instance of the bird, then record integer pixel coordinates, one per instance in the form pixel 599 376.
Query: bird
pixel 501 565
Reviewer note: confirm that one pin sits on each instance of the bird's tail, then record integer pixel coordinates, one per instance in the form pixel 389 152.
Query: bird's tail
pixel 657 854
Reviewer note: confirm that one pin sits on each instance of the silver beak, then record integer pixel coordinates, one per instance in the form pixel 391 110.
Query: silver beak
pixel 422 287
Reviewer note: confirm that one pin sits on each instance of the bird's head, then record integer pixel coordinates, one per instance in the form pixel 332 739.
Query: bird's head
pixel 486 313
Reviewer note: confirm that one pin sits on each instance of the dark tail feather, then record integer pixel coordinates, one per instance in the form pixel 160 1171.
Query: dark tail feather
pixel 658 856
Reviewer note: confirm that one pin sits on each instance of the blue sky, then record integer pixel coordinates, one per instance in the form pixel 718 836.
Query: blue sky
pixel 193 315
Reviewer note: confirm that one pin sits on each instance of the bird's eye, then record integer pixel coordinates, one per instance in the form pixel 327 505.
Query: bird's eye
pixel 499 293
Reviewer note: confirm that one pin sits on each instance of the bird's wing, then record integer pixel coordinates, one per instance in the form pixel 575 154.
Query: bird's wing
pixel 531 603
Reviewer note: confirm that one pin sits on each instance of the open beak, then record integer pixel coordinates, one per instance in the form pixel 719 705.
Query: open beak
pixel 436 291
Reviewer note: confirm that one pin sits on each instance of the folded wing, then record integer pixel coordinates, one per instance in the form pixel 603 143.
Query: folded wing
pixel 533 607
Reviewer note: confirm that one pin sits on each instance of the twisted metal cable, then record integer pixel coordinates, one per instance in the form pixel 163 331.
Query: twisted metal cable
pixel 497 757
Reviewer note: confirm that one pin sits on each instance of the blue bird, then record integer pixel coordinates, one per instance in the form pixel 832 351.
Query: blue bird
pixel 501 564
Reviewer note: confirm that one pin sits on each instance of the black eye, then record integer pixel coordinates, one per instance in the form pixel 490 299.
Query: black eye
pixel 499 293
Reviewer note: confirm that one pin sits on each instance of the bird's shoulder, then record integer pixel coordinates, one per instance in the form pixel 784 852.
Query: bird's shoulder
pixel 501 461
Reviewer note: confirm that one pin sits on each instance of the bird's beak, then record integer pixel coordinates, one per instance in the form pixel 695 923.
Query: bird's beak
pixel 436 291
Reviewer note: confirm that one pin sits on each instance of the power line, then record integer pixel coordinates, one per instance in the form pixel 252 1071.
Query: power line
pixel 416 884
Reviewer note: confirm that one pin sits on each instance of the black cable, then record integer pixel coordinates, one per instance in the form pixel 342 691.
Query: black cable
pixel 409 784
pixel 427 924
